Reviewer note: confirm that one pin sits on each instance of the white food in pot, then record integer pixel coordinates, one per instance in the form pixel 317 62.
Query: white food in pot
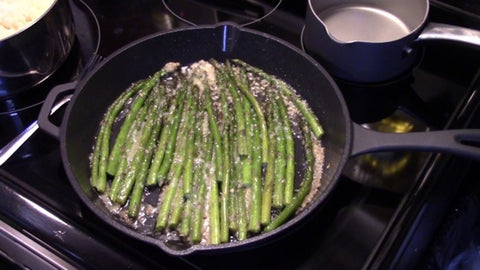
pixel 16 15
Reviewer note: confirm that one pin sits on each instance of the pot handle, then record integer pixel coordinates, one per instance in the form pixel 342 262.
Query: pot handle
pixel 439 31
pixel 459 142
pixel 43 118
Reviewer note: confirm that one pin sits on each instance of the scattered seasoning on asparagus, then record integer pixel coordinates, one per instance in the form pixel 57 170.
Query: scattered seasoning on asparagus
pixel 289 152
pixel 216 142
pixel 129 119
pixel 256 187
pixel 102 146
pixel 269 180
pixel 305 187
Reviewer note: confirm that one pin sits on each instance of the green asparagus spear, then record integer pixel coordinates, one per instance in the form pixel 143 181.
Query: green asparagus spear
pixel 289 152
pixel 280 157
pixel 225 194
pixel 97 183
pixel 165 148
pixel 282 86
pixel 305 187
pixel 115 156
pixel 186 218
pixel 191 172
pixel 176 209
pixel 247 160
pixel 269 175
pixel 172 138
pixel 200 179
pixel 137 192
pixel 212 177
pixel 193 138
pixel 186 136
pixel 125 157
pixel 228 82
pixel 171 190
pixel 161 145
pixel 217 140
pixel 198 211
pixel 102 147
pixel 140 149
pixel 173 187
pixel 226 167
pixel 175 157
pixel 242 214
pixel 235 177
pixel 242 83
pixel 256 190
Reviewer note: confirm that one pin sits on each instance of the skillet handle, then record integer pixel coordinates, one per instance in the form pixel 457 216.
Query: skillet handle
pixel 459 142
pixel 44 122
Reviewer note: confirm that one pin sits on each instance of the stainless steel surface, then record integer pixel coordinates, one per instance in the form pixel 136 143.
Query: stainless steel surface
pixel 370 21
pixel 438 31
pixel 32 55
pixel 370 41
pixel 7 151
pixel 26 252
pixel 342 24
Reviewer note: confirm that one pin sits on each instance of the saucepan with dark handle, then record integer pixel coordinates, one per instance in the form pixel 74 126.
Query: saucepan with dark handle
pixel 368 41
pixel 141 58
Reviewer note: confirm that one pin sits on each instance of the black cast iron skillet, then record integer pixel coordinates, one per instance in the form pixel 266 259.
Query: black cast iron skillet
pixel 142 58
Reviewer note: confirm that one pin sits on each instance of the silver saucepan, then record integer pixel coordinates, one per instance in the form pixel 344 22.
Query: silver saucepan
pixel 369 41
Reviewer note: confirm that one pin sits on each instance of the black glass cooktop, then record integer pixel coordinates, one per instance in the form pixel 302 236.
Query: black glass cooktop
pixel 385 213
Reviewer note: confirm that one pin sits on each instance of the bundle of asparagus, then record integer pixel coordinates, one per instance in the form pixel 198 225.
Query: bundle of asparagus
pixel 219 140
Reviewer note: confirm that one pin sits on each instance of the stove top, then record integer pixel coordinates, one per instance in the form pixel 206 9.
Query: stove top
pixel 385 213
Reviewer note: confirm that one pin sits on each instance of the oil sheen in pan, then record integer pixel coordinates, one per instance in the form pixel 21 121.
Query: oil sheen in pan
pixel 145 222
pixel 350 23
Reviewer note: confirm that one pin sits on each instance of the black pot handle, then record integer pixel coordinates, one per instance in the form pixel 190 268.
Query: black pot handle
pixel 44 122
pixel 456 141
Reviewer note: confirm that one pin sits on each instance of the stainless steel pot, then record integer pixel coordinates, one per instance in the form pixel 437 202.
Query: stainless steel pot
pixel 370 40
pixel 34 53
